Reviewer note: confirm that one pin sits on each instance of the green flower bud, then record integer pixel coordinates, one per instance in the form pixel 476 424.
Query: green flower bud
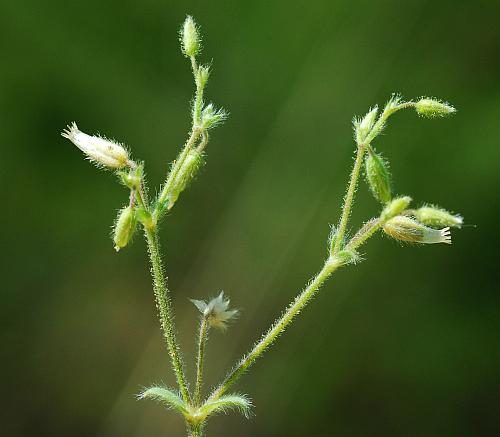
pixel 203 75
pixel 432 108
pixel 124 227
pixel 395 207
pixel 185 175
pixel 407 229
pixel 437 217
pixel 364 126
pixel 190 38
pixel 378 177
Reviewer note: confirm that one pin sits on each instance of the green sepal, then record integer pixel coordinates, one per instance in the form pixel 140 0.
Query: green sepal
pixel 378 177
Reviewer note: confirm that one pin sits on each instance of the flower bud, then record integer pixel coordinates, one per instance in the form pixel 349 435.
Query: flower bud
pixel 185 175
pixel 378 177
pixel 203 75
pixel 101 151
pixel 364 126
pixel 124 227
pixel 437 217
pixel 432 108
pixel 407 229
pixel 190 38
pixel 395 207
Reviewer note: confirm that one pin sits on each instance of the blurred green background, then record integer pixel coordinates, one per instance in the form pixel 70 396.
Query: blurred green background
pixel 404 344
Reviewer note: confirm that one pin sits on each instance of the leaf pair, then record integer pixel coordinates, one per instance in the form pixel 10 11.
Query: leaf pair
pixel 197 415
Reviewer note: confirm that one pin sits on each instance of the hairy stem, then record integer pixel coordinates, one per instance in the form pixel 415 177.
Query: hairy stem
pixel 196 132
pixel 349 198
pixel 279 326
pixel 366 231
pixel 195 430
pixel 202 340
pixel 167 187
pixel 198 98
pixel 165 311
pixel 330 266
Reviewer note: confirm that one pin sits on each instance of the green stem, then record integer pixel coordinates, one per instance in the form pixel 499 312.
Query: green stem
pixel 366 231
pixel 349 198
pixel 196 132
pixel 330 266
pixel 279 326
pixel 195 430
pixel 165 312
pixel 198 99
pixel 202 340
pixel 167 187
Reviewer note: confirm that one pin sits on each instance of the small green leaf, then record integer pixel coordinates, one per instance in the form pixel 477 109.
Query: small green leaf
pixel 166 396
pixel 227 403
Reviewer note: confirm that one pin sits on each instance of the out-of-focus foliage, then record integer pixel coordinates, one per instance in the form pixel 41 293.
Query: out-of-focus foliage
pixel 414 331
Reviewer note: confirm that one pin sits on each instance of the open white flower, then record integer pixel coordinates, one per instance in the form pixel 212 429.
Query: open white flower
pixel 99 150
pixel 216 310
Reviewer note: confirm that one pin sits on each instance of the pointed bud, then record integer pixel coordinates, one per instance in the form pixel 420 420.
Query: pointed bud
pixel 378 177
pixel 203 75
pixel 395 207
pixel 216 311
pixel 190 38
pixel 211 117
pixel 185 175
pixel 432 108
pixel 364 126
pixel 438 217
pixel 99 150
pixel 124 227
pixel 406 229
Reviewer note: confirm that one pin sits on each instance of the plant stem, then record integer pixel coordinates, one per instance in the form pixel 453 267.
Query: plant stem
pixel 195 430
pixel 167 187
pixel 196 132
pixel 165 312
pixel 279 326
pixel 198 98
pixel 202 340
pixel 349 198
pixel 366 231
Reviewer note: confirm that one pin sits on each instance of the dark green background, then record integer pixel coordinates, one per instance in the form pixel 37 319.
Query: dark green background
pixel 404 344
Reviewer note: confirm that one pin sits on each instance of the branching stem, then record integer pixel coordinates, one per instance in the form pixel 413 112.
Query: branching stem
pixel 349 198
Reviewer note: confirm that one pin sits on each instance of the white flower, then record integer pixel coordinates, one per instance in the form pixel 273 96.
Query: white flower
pixel 216 310
pixel 99 150
pixel 407 229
